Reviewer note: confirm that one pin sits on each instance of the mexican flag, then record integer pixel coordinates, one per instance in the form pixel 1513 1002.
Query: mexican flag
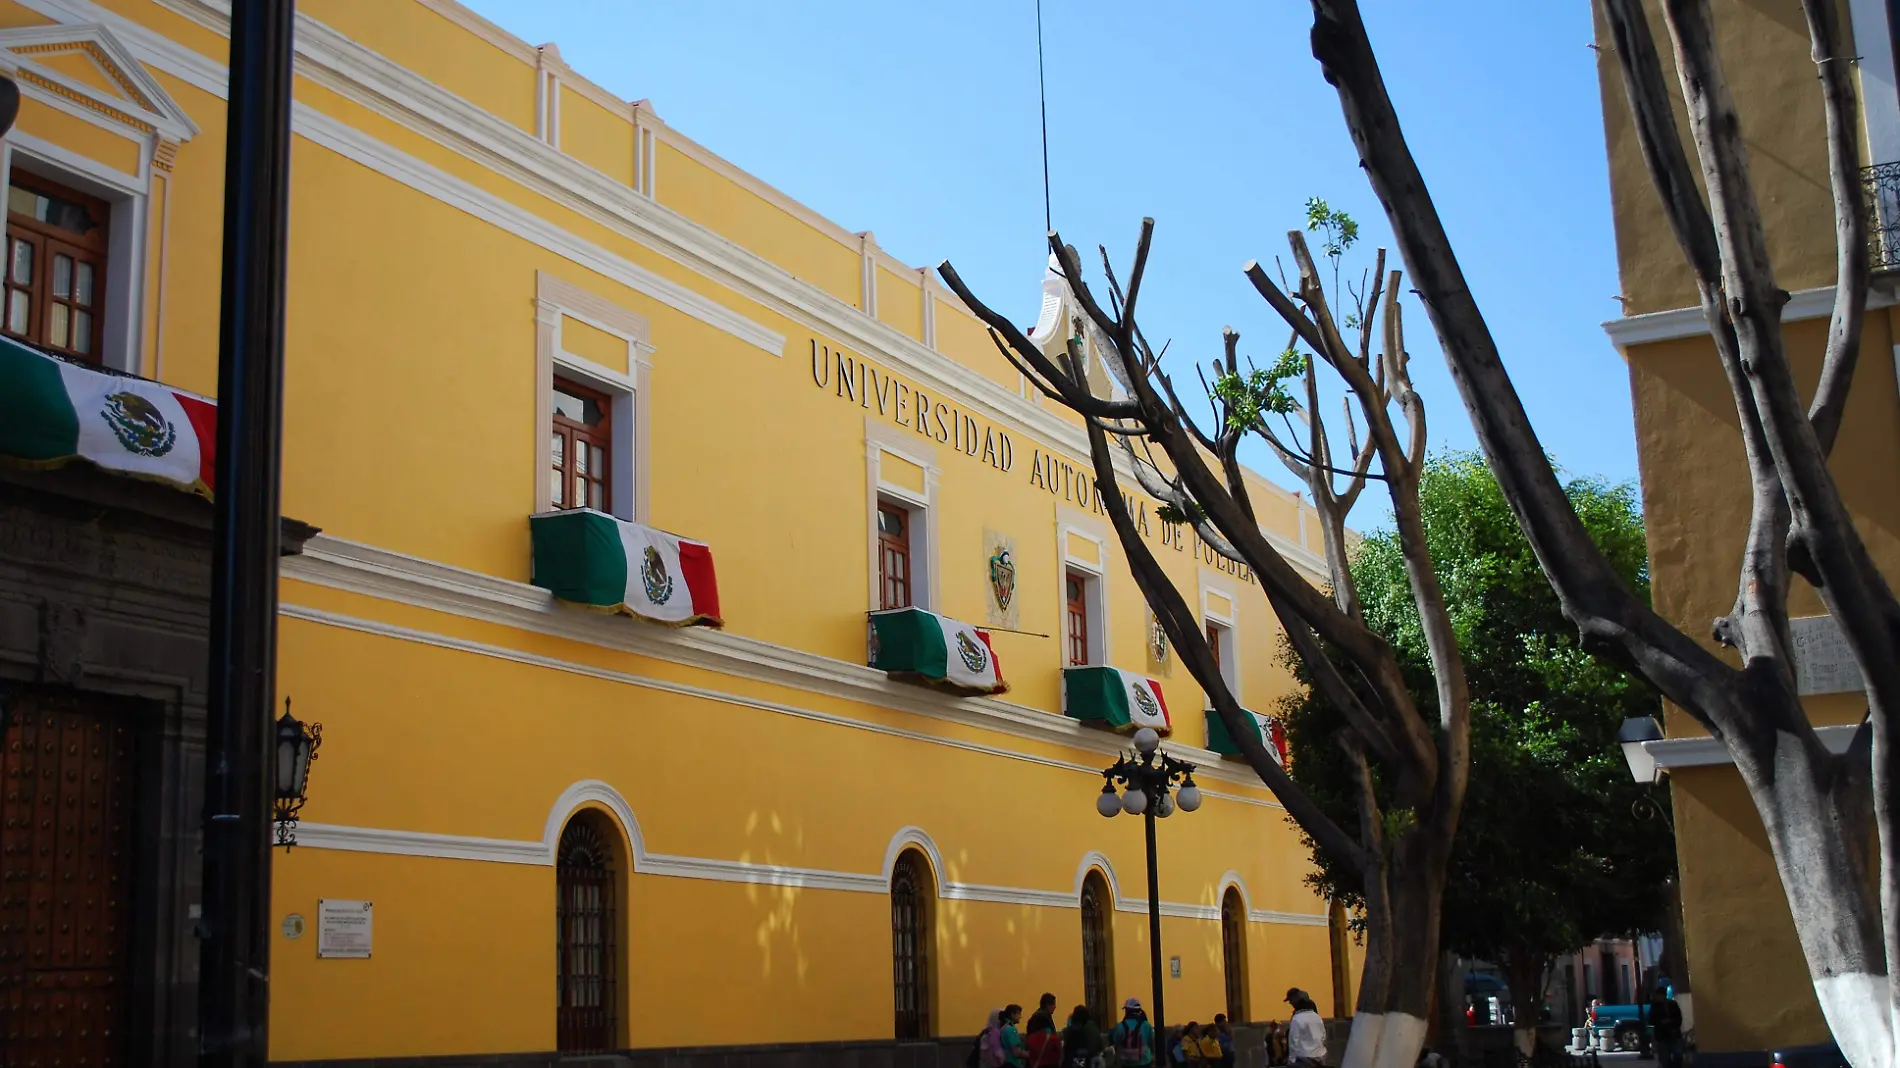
pixel 592 559
pixel 913 644
pixel 53 412
pixel 1122 699
pixel 1269 729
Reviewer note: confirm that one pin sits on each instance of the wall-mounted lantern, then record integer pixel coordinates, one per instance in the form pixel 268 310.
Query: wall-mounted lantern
pixel 1630 737
pixel 9 103
pixel 297 744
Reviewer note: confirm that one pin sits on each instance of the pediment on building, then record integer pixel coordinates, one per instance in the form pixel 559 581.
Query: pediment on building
pixel 1061 318
pixel 85 64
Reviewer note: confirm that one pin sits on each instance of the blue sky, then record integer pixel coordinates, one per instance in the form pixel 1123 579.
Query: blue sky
pixel 919 122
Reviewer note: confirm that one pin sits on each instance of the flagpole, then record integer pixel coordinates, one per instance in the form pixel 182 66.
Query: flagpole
pixel 998 630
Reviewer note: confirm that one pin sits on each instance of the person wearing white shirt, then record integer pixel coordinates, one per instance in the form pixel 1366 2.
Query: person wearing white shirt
pixel 1306 1035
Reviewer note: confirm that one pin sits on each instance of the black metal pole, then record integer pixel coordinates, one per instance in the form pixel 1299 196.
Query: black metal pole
pixel 234 953
pixel 1154 926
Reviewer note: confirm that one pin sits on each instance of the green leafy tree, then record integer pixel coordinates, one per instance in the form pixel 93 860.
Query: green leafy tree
pixel 1549 853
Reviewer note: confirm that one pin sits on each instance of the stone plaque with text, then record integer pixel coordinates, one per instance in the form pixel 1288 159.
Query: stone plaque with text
pixel 1822 662
pixel 344 928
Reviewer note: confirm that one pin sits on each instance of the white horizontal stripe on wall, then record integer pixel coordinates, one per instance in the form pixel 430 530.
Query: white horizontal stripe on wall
pixel 504 851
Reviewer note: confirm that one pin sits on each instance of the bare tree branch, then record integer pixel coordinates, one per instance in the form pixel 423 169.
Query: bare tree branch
pixel 1850 222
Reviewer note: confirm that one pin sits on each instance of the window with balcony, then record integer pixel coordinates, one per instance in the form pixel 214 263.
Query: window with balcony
pixel 580 447
pixel 894 573
pixel 1077 588
pixel 1220 642
pixel 55 267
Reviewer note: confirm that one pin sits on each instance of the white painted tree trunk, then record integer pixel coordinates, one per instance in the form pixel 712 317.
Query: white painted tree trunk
pixel 1362 1045
pixel 1400 1039
pixel 1861 1013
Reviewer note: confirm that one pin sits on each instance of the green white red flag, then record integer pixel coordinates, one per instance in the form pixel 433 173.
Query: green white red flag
pixel 591 558
pixel 910 643
pixel 1121 699
pixel 53 412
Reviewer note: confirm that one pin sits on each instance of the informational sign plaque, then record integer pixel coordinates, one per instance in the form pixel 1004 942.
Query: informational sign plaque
pixel 344 928
pixel 1822 662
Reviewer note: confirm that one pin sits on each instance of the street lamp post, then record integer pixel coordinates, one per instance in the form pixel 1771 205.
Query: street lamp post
pixel 1148 777
pixel 234 924
pixel 1634 738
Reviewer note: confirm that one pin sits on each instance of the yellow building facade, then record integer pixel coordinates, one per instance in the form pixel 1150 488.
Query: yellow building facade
pixel 1751 992
pixel 487 249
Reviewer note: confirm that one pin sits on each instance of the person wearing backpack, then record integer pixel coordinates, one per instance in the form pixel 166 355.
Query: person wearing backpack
pixel 1134 1038
pixel 987 1052
pixel 1045 1042
pixel 1082 1043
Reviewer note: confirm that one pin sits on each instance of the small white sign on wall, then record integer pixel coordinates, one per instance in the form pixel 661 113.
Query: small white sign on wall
pixel 1822 661
pixel 344 928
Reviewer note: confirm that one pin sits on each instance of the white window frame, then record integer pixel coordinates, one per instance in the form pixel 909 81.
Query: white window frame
pixel 1070 521
pixel 122 335
pixel 629 392
pixel 881 439
pixel 1229 624
pixel 145 116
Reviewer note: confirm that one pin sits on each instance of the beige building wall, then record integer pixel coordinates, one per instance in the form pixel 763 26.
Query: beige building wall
pixel 1751 989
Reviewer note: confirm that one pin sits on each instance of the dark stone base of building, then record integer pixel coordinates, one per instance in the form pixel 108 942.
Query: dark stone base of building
pixel 938 1053
pixel 934 1053
pixel 105 586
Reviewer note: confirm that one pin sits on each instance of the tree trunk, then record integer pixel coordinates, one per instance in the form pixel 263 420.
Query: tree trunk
pixel 1818 814
pixel 1527 972
pixel 1389 1023
pixel 1375 975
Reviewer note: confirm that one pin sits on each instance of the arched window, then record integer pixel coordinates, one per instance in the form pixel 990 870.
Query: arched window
pixel 1098 949
pixel 1233 944
pixel 586 957
pixel 910 944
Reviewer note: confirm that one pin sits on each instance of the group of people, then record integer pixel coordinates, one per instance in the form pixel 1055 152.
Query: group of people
pixel 1081 1042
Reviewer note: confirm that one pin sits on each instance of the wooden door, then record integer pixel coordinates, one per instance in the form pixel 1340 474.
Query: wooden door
pixel 586 959
pixel 67 776
pixel 910 947
pixel 1233 941
pixel 1098 955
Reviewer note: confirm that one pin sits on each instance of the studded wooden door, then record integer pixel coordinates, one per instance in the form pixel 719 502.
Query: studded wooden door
pixel 66 796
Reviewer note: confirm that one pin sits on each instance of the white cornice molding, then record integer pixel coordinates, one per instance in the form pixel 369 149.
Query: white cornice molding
pixel 380 573
pixel 353 144
pixel 1703 751
pixel 1690 322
